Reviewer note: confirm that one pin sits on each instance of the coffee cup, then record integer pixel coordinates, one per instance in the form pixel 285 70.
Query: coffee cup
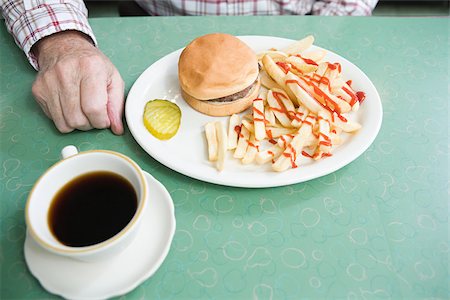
pixel 82 228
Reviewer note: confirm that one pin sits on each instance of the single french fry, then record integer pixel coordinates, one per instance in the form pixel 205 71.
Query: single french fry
pixel 355 106
pixel 311 141
pixel 222 145
pixel 321 69
pixel 289 157
pixel 324 141
pixel 263 95
pixel 242 145
pixel 341 93
pixel 299 66
pixel 269 116
pixel 211 139
pixel 268 155
pixel 338 104
pixel 299 46
pixel 268 82
pixel 302 96
pixel 233 130
pixel 248 117
pixel 276 132
pixel 259 119
pixel 315 55
pixel 249 125
pixel 336 84
pixel 276 74
pixel 336 140
pixel 276 55
pixel 252 150
pixel 344 124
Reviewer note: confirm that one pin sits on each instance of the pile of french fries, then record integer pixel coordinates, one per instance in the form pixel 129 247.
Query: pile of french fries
pixel 301 111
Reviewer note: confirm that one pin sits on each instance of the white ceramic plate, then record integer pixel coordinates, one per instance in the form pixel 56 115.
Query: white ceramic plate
pixel 74 279
pixel 187 151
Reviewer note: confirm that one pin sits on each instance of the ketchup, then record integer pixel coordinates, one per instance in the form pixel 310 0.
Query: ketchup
pixel 285 67
pixel 361 96
pixel 307 60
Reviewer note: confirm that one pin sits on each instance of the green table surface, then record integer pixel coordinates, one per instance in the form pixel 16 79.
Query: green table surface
pixel 377 228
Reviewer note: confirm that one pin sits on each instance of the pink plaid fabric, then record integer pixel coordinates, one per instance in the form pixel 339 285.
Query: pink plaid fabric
pixel 31 20
pixel 257 7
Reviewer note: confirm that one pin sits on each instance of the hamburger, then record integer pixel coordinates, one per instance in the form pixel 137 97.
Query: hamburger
pixel 218 74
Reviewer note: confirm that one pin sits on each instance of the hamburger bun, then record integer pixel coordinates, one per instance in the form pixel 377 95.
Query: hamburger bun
pixel 218 74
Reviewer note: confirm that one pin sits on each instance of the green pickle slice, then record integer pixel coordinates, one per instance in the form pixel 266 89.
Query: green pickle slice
pixel 162 118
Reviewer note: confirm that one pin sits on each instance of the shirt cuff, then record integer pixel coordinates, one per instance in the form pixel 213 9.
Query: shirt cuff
pixel 47 19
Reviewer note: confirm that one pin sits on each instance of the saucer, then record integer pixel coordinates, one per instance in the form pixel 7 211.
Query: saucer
pixel 74 279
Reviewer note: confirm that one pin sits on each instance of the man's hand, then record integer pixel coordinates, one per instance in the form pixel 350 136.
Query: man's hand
pixel 77 86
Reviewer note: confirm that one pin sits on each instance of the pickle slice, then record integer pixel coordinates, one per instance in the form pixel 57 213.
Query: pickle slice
pixel 162 118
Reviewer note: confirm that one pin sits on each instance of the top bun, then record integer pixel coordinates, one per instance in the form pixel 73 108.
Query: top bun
pixel 216 65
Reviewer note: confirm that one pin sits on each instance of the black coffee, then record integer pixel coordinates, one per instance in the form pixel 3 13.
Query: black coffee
pixel 92 208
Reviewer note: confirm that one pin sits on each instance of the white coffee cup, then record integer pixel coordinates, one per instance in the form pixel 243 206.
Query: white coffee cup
pixel 73 165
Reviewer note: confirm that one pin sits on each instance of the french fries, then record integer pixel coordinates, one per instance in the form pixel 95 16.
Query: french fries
pixel 216 137
pixel 300 113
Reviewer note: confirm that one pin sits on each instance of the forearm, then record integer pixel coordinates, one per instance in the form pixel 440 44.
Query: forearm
pixel 31 22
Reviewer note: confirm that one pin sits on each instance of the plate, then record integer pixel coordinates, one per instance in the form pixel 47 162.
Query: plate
pixel 75 279
pixel 186 153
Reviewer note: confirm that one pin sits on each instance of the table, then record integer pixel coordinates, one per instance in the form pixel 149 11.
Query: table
pixel 376 228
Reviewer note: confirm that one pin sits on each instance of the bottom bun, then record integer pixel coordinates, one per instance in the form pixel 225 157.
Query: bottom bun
pixel 220 109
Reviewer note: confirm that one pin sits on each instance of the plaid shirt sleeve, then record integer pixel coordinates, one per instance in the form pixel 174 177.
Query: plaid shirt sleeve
pixel 31 20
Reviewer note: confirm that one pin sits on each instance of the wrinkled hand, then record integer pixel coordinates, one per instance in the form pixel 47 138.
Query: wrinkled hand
pixel 77 86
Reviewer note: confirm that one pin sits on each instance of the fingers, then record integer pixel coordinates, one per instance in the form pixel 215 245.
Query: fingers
pixel 115 102
pixel 94 99
pixel 48 99
pixel 69 98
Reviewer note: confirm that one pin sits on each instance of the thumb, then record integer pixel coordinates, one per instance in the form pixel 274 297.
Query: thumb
pixel 116 102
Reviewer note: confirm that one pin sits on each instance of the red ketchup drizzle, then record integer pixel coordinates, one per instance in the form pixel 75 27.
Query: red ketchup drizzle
pixel 292 156
pixel 272 141
pixel 285 67
pixel 361 96
pixel 349 83
pixel 237 129
pixel 321 79
pixel 282 108
pixel 258 112
pixel 304 153
pixel 284 140
pixel 307 60
pixel 325 143
pixel 271 153
pixel 269 134
pixel 250 144
pixel 353 101
pixel 334 66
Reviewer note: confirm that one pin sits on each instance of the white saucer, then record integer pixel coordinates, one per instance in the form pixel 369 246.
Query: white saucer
pixel 74 279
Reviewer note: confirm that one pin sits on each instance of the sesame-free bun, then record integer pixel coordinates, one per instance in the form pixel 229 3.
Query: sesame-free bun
pixel 215 66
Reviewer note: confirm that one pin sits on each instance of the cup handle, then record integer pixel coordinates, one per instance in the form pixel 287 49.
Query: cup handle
pixel 69 151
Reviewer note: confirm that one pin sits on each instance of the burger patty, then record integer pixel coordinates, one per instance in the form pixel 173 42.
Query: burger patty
pixel 234 96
